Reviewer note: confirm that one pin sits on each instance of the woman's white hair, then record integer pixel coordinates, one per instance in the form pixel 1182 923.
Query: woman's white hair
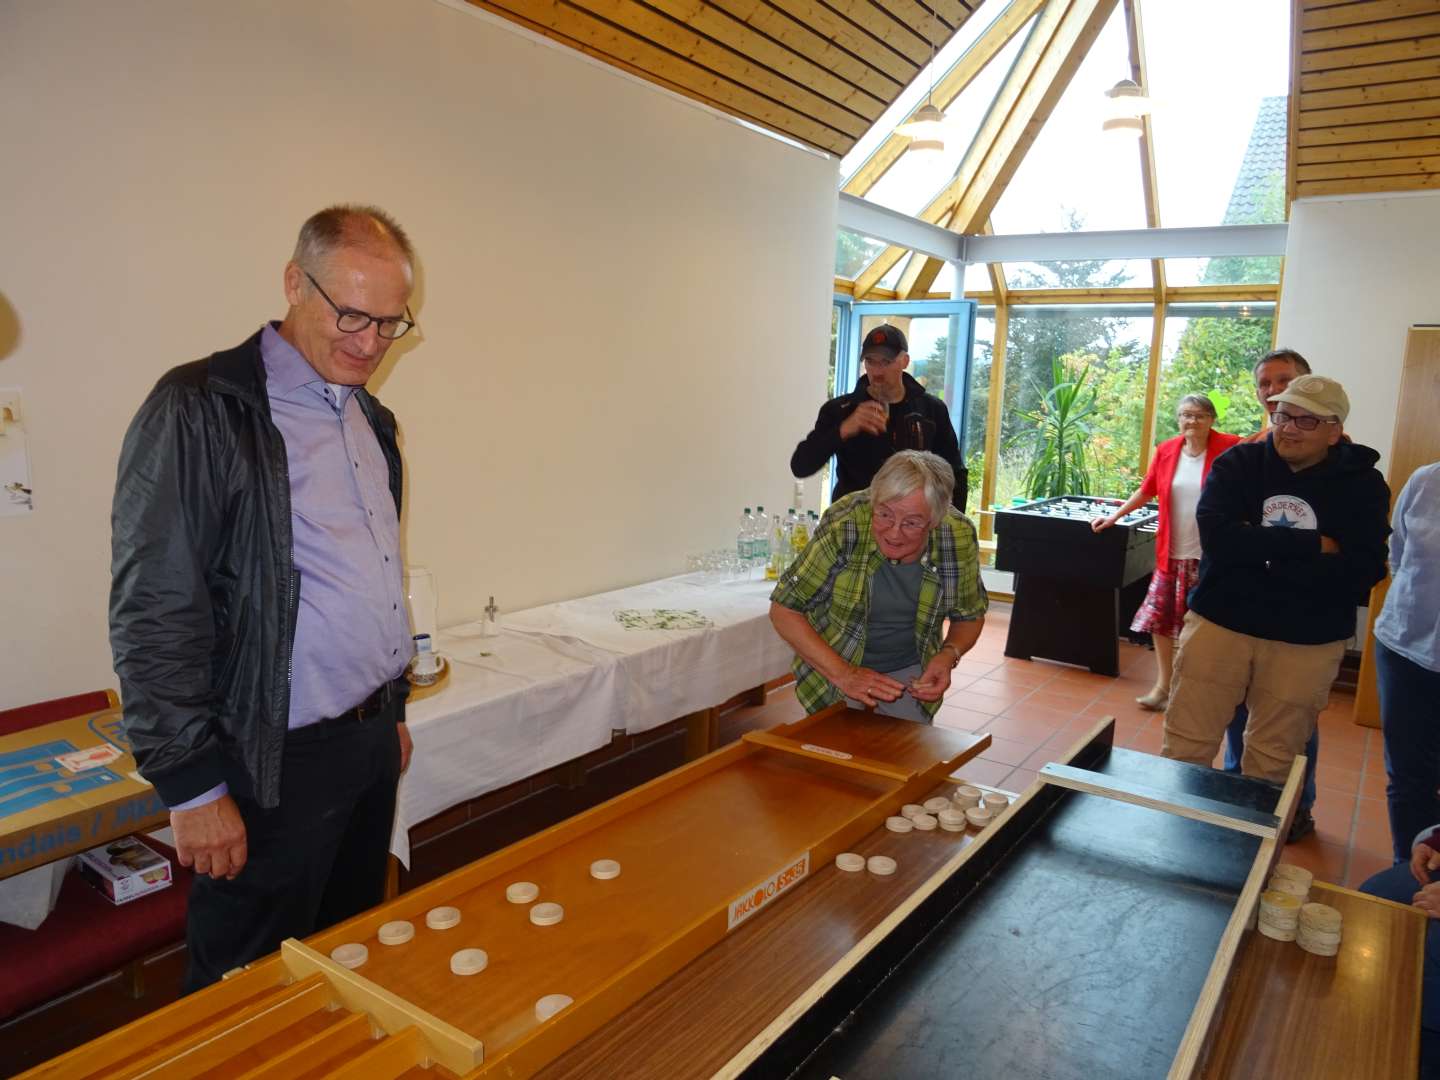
pixel 915 470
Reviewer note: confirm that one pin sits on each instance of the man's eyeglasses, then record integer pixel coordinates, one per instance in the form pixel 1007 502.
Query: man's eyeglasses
pixel 1304 423
pixel 350 321
pixel 910 526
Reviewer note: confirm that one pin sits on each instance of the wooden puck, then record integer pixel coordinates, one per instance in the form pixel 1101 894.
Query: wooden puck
pixel 551 1004
pixel 469 961
pixel 604 869
pixel 935 805
pixel 880 864
pixel 396 933
pixel 910 809
pixel 442 918
pixel 351 955
pixel 967 796
pixel 925 822
pixel 899 824
pixel 521 892
pixel 546 914
pixel 850 862
pixel 979 816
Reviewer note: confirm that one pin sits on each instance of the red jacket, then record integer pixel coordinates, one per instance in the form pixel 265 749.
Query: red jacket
pixel 1162 474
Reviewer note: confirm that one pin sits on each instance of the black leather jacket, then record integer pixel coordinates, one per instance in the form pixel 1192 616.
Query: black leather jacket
pixel 204 594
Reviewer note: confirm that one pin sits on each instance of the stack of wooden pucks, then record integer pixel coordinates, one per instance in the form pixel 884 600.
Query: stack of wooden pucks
pixel 1279 915
pixel 1292 879
pixel 1319 930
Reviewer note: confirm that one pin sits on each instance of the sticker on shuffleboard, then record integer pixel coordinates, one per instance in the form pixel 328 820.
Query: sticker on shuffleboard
pixel 826 751
pixel 755 898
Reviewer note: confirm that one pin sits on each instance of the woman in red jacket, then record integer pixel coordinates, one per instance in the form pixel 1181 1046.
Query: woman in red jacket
pixel 1177 472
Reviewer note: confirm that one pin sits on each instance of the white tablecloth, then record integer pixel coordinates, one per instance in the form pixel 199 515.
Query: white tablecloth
pixel 557 679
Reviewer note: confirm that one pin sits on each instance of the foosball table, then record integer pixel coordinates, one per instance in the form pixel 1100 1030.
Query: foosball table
pixel 1075 590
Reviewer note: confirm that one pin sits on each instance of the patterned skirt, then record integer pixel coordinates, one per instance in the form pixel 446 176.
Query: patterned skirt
pixel 1163 611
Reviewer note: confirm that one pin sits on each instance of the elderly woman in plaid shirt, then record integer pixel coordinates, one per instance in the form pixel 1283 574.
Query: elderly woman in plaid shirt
pixel 865 605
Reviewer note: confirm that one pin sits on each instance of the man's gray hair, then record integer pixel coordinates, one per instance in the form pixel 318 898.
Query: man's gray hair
pixel 915 470
pixel 348 225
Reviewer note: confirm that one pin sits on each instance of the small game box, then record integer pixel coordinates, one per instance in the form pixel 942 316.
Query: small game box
pixel 124 869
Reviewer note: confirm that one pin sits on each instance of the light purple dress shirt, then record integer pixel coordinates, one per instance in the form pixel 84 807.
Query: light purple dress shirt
pixel 352 633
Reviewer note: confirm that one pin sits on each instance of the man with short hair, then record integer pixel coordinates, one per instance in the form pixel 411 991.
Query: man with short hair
pixel 887 411
pixel 257 615
pixel 1273 372
pixel 1293 530
pixel 864 606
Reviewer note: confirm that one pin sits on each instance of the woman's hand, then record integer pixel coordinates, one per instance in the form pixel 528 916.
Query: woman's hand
pixel 1423 859
pixel 1428 900
pixel 934 680
pixel 868 687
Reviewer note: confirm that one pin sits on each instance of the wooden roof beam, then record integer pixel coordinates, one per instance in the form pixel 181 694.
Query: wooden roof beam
pixel 1063 33
pixel 1150 186
pixel 947 89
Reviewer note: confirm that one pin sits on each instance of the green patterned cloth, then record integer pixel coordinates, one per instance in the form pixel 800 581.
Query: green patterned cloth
pixel 830 584
pixel 661 619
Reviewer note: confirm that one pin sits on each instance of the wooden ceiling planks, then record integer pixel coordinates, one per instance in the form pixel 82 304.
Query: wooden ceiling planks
pixel 820 73
pixel 1365 91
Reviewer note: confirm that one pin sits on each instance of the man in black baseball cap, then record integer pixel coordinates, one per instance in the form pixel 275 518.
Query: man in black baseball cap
pixel 887 411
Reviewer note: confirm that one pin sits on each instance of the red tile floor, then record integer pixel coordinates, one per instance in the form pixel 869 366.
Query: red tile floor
pixel 1034 710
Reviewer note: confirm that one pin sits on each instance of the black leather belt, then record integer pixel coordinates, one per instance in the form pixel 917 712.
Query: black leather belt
pixel 372 708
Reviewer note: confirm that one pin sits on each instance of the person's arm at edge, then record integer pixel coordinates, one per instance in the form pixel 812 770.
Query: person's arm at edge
pixel 162 626
pixel 823 442
pixel 1226 534
pixel 947 445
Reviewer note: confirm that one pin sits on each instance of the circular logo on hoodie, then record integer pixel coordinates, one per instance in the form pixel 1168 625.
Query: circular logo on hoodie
pixel 1288 512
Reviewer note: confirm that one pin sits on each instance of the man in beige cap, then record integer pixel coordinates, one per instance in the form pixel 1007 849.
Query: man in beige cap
pixel 1293 529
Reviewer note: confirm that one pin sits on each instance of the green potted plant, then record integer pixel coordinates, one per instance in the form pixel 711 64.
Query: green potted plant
pixel 1060 433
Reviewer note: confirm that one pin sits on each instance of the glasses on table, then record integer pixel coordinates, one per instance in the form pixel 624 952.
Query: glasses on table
pixel 352 321
pixel 1304 423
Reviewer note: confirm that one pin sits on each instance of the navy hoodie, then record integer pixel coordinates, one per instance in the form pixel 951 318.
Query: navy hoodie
pixel 1260 526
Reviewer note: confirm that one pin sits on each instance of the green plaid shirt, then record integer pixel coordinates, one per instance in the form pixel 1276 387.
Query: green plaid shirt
pixel 830 584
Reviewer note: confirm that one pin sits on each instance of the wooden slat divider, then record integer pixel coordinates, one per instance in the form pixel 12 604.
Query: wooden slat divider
pixel 390 1057
pixel 859 764
pixel 162 1053
pixel 345 1037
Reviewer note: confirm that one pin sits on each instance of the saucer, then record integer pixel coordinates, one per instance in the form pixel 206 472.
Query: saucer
pixel 419 691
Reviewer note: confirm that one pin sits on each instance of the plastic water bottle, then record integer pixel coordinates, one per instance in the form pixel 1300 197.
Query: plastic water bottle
pixel 799 534
pixel 779 556
pixel 762 537
pixel 743 538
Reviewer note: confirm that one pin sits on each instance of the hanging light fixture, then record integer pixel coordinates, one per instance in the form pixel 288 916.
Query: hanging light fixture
pixel 1126 106
pixel 926 126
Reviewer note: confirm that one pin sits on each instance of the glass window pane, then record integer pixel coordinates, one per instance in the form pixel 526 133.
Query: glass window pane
pixel 977 405
pixel 977 278
pixel 1231 270
pixel 1077 176
pixel 1082 274
pixel 1074 396
pixel 1211 349
pixel 853 252
pixel 1219 84
pixel 913 181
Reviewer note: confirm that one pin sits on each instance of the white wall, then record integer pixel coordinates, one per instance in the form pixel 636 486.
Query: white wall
pixel 624 298
pixel 1359 272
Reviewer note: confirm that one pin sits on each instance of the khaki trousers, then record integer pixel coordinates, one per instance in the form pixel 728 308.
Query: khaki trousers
pixel 1284 686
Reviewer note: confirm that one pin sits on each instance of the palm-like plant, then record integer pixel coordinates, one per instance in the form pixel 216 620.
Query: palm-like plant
pixel 1060 435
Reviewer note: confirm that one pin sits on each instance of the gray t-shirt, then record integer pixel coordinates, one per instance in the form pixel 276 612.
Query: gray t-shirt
pixel 890 631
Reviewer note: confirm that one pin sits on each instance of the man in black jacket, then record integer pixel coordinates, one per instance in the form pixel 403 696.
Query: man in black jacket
pixel 1293 529
pixel 257 615
pixel 887 411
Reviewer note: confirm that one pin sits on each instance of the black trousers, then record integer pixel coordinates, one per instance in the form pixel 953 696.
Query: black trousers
pixel 315 859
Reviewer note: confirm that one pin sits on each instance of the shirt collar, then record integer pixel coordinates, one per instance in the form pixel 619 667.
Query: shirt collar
pixel 285 369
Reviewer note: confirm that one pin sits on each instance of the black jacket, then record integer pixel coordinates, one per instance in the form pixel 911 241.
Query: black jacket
pixel 919 422
pixel 204 595
pixel 1260 526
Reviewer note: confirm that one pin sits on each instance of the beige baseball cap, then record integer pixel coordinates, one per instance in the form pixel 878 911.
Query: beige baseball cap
pixel 1316 394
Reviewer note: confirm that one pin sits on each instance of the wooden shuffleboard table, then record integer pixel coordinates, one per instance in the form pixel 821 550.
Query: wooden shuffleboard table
pixel 1093 929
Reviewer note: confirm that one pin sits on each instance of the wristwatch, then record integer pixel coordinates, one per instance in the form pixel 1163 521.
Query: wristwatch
pixel 954 650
